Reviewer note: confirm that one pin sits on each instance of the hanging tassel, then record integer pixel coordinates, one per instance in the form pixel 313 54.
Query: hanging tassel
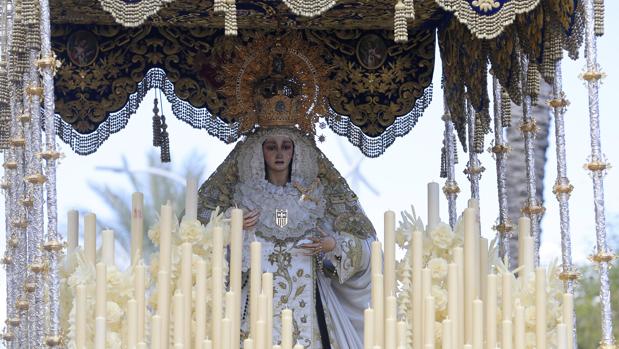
pixel 533 82
pixel 455 150
pixel 231 28
pixel 443 173
pixel 478 137
pixel 506 109
pixel 165 141
pixel 156 126
pixel 410 9
pixel 400 26
pixel 598 15
pixel 219 6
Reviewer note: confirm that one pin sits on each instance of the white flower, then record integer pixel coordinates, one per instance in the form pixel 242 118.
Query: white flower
pixel 191 231
pixel 440 298
pixel 114 312
pixel 529 316
pixel 441 236
pixel 113 340
pixel 438 268
pixel 402 236
pixel 438 332
pixel 529 340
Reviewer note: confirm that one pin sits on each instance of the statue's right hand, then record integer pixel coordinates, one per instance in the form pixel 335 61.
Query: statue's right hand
pixel 250 219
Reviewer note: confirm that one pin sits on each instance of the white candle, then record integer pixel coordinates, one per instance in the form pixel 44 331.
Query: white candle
pixel 255 255
pixel 483 269
pixel 507 296
pixel 478 321
pixel 178 318
pixel 417 261
pixel 137 226
pixel 401 333
pixel 186 288
pixel 90 237
pixel 267 289
pixel 100 332
pixel 287 329
pixel 262 315
pixel 433 206
pixel 459 260
pixel 236 261
pixel 208 344
pixel 540 308
pixel 562 337
pixel 200 303
pixel 191 199
pixel 165 238
pixel 506 335
pixel 216 315
pixel 390 333
pixel 229 305
pixel 101 290
pixel 132 326
pixel 391 307
pixel 470 275
pixel 80 317
pixel 142 345
pixel 247 344
pixel 429 318
pixel 163 309
pixel 529 264
pixel 491 305
pixel 377 305
pixel 368 328
pixel 107 251
pixel 452 303
pixel 155 332
pixel 226 325
pixel 568 318
pixel 519 329
pixel 140 288
pixel 260 335
pixel 298 346
pixel 376 263
pixel 447 332
pixel 426 291
pixel 389 272
pixel 524 228
pixel 72 230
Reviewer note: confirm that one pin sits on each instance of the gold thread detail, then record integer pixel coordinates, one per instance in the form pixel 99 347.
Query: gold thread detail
pixel 53 246
pixel 22 304
pixel 36 178
pixel 450 189
pixel 10 165
pixel 591 75
pixel 24 118
pixel 597 166
pixel 13 321
pixel 504 228
pixel 8 336
pixel 533 209
pixel 49 155
pixel 529 126
pixel 34 91
pixel 603 257
pixel 558 102
pixel 53 341
pixel 17 142
pixel 501 149
pixel 569 275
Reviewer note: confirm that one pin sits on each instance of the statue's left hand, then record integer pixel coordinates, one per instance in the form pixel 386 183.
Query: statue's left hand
pixel 325 243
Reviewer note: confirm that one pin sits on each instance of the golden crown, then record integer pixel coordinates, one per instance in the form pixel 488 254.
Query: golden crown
pixel 272 85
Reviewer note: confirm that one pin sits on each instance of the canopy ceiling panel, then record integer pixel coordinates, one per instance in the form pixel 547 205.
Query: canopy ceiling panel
pixel 377 89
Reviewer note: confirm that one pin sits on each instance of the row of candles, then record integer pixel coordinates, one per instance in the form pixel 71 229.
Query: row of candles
pixel 471 321
pixel 174 311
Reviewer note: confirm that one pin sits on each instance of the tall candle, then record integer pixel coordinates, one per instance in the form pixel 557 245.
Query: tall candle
pixel 80 317
pixel 376 263
pixel 217 300
pixel 286 329
pixel 208 344
pixel 377 305
pixel 90 237
pixel 262 314
pixel 200 303
pixel 191 199
pixel 519 329
pixel 524 228
pixel 165 238
pixel 417 261
pixel 491 305
pixel 529 266
pixel 267 289
pixel 142 345
pixel 390 333
pixel 155 332
pixel 163 306
pixel 72 230
pixel 447 334
pixel 391 307
pixel 229 301
pixel 483 269
pixel 260 335
pixel 562 337
pixel 470 275
pixel 452 303
pixel 459 260
pixel 107 251
pixel 100 332
pixel 298 346
pixel 255 254
pixel 506 335
pixel 429 318
pixel 389 272
pixel 568 318
pixel 507 296
pixel 368 328
pixel 226 325
pixel 236 261
pixel 247 344
pixel 478 320
pixel 101 290
pixel 139 280
pixel 433 206
pixel 540 308
pixel 132 326
pixel 137 226
pixel 426 291
pixel 401 333
pixel 186 288
pixel 179 322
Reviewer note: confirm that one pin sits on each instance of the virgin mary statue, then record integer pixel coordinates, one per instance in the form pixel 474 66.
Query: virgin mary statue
pixel 315 236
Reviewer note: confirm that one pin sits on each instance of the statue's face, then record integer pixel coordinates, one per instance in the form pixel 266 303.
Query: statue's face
pixel 278 151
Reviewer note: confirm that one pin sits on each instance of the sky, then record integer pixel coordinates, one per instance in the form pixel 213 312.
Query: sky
pixel 400 176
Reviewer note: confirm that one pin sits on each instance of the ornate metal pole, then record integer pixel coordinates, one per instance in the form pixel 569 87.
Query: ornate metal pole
pixel 451 188
pixel 529 128
pixel 500 150
pixel 473 168
pixel 53 246
pixel 597 165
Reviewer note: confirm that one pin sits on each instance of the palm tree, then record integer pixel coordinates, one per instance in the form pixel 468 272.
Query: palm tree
pixel 161 183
